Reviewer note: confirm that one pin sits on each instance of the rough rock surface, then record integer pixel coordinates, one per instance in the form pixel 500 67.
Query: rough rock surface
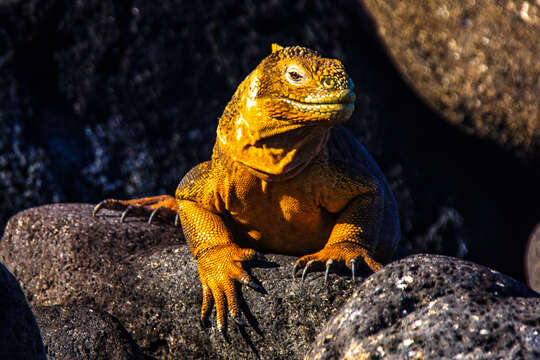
pixel 474 61
pixel 426 307
pixel 146 277
pixel 101 98
pixel 74 332
pixel 20 338
pixel 532 259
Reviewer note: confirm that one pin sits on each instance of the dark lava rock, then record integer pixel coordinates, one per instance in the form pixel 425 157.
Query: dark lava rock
pixel 532 259
pixel 20 338
pixel 474 61
pixel 145 276
pixel 426 307
pixel 75 332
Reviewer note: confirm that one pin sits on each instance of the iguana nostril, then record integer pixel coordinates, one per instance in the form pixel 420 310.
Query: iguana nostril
pixel 328 82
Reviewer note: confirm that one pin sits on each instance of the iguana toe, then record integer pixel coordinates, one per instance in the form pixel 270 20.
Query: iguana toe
pixel 346 253
pixel 162 205
pixel 219 287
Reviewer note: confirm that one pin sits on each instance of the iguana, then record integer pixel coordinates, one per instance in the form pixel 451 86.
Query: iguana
pixel 285 178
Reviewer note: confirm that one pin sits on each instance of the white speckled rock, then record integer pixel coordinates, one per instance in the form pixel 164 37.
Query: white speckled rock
pixel 428 306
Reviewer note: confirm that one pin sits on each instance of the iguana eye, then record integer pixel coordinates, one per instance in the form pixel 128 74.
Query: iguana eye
pixel 295 76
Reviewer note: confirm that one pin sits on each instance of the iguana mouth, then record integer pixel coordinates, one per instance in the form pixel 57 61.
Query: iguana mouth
pixel 333 103
pixel 320 108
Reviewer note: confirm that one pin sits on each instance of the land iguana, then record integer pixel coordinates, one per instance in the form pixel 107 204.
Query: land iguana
pixel 285 178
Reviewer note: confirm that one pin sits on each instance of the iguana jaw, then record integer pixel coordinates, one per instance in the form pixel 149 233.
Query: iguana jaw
pixel 323 108
pixel 335 109
pixel 335 97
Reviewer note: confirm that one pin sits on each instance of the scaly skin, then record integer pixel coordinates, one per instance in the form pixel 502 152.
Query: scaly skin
pixel 284 178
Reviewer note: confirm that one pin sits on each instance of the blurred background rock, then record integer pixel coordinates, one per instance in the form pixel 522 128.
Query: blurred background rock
pixel 119 99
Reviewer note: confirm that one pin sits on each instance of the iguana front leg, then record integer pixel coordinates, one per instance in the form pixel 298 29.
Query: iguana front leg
pixel 164 205
pixel 219 261
pixel 354 237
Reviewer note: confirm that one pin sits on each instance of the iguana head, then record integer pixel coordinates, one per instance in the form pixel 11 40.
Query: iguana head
pixel 279 117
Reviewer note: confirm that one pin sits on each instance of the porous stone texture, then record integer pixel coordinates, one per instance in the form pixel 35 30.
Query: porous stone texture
pixel 20 338
pixel 75 332
pixel 100 98
pixel 474 61
pixel 145 276
pixel 427 307
pixel 532 259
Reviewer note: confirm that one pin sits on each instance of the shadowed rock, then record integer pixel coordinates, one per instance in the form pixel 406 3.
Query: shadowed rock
pixel 429 306
pixel 74 332
pixel 532 259
pixel 20 338
pixel 472 61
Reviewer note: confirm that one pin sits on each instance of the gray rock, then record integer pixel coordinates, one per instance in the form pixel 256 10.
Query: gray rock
pixel 145 276
pixel 473 61
pixel 20 338
pixel 532 259
pixel 428 306
pixel 74 332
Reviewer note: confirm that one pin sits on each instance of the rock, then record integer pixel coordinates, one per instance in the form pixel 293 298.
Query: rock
pixel 473 61
pixel 145 276
pixel 20 338
pixel 74 332
pixel 532 259
pixel 427 306
pixel 70 244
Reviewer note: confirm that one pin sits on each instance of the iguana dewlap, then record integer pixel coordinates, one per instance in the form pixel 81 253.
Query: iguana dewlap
pixel 285 178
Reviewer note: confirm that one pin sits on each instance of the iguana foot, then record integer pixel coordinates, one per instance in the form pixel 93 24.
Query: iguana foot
pixel 347 253
pixel 163 206
pixel 220 268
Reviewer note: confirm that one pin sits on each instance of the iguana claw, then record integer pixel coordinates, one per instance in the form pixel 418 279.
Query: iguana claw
pixel 306 269
pixel 239 321
pixel 353 269
pixel 294 269
pixel 256 287
pixel 328 265
pixel 97 208
pixel 223 333
pixel 125 212
pixel 151 217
